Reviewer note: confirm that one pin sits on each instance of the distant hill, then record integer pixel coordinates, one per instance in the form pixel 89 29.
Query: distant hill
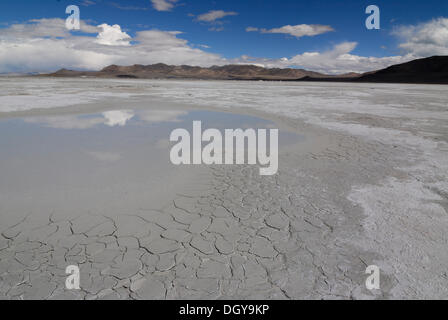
pixel 433 70
pixel 163 71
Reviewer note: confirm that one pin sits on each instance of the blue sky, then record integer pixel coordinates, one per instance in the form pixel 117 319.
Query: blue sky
pixel 227 37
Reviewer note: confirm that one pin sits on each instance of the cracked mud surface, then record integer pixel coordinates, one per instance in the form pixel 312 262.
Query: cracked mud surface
pixel 342 200
pixel 247 237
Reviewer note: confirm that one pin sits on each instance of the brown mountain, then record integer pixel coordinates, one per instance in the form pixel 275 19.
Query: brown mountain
pixel 163 71
pixel 433 70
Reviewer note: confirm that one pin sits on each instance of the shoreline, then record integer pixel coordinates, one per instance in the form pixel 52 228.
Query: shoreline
pixel 301 80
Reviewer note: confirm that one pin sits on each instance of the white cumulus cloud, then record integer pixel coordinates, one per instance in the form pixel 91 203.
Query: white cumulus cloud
pixel 425 39
pixel 112 36
pixel 340 60
pixel 337 60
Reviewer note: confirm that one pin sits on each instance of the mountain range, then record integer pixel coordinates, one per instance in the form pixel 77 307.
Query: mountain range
pixel 433 70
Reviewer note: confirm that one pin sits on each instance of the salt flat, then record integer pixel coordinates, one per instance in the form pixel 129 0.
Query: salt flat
pixel 362 180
